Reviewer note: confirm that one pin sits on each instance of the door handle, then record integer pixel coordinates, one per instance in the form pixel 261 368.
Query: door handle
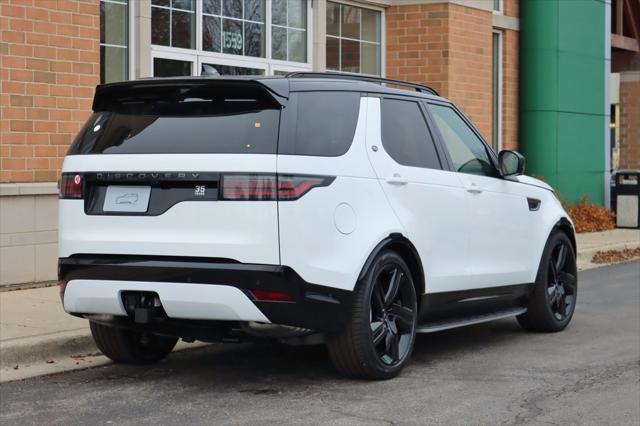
pixel 474 189
pixel 397 180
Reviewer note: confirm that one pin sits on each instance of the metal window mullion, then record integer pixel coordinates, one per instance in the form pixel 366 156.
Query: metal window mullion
pixel 267 35
pixel 243 30
pixel 340 38
pixel 287 31
pixel 199 26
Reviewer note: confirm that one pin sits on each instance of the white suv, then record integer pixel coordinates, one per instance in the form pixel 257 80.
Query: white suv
pixel 312 206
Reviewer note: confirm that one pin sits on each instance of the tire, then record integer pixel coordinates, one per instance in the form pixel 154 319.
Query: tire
pixel 127 346
pixel 378 339
pixel 553 299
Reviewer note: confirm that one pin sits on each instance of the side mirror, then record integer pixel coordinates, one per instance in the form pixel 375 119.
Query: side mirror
pixel 511 163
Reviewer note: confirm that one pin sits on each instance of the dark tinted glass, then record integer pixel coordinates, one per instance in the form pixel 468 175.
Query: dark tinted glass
pixel 320 123
pixel 170 68
pixel 160 26
pixel 211 33
pixel 405 135
pixel 248 132
pixel 211 6
pixel 182 29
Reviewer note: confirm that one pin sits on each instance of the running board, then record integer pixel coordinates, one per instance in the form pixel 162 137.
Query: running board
pixel 446 325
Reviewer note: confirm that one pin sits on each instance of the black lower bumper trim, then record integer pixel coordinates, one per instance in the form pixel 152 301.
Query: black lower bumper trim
pixel 315 307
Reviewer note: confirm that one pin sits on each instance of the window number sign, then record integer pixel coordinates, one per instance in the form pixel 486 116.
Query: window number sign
pixel 232 40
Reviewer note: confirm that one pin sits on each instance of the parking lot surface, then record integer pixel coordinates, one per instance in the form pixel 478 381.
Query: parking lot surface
pixel 487 374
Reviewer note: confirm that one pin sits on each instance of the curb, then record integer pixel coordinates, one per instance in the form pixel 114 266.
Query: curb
pixel 41 349
pixel 587 254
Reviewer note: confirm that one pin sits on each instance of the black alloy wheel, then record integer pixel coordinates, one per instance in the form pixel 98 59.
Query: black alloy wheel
pixel 378 339
pixel 552 301
pixel 561 279
pixel 393 305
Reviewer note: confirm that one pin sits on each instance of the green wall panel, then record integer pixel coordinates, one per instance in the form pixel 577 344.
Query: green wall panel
pixel 541 77
pixel 562 78
pixel 541 126
pixel 576 91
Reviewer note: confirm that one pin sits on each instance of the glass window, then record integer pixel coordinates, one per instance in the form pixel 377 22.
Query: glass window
pixel 173 23
pixel 234 26
pixel 320 123
pixel 289 30
pixel 497 5
pixel 405 135
pixel 170 68
pixel 216 69
pixel 251 132
pixel 467 151
pixel 353 39
pixel 114 40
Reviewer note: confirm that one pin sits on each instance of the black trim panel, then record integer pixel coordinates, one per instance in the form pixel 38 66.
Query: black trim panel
pixel 315 307
pixel 468 303
pixel 534 204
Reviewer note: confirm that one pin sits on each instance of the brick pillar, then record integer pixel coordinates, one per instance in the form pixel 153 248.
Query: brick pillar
pixel 50 66
pixel 448 47
pixel 630 120
pixel 510 89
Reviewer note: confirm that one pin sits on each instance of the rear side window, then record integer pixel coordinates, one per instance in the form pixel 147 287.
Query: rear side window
pixel 320 123
pixel 405 135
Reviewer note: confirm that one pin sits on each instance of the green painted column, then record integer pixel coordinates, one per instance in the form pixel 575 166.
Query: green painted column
pixel 562 94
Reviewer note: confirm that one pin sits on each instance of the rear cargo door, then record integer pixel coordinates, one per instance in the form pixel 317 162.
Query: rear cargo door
pixel 175 169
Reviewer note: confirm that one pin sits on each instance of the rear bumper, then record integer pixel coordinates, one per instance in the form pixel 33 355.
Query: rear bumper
pixel 201 289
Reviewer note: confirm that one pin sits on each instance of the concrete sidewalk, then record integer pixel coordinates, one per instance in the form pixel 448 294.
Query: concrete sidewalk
pixel 37 335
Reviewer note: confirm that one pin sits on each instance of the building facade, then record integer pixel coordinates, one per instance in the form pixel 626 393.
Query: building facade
pixel 54 53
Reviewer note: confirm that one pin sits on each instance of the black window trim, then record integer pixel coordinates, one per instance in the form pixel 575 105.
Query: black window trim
pixel 492 154
pixel 443 160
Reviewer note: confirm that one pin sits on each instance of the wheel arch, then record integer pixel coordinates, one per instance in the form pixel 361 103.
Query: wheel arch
pixel 564 225
pixel 400 244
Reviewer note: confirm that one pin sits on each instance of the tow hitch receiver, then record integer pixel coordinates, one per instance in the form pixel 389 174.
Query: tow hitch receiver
pixel 143 306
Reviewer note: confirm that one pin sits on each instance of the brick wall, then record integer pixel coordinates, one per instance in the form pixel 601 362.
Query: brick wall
pixel 470 55
pixel 448 47
pixel 630 124
pixel 511 8
pixel 50 51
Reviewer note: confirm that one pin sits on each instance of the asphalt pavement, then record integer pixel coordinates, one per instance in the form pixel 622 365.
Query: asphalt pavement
pixel 488 374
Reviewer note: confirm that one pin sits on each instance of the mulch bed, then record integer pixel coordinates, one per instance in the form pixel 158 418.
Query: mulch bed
pixel 616 256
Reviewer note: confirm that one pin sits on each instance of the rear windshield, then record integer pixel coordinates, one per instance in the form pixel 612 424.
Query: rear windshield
pixel 254 132
pixel 230 120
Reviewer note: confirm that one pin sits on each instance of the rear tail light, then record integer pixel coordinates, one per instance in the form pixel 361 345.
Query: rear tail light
pixel 70 186
pixel 249 187
pixel 269 187
pixel 62 286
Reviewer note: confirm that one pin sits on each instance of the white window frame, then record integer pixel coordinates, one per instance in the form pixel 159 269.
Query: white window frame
pixel 498 137
pixel 500 9
pixel 383 40
pixel 198 56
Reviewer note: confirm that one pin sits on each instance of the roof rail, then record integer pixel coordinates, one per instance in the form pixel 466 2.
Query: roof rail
pixel 418 87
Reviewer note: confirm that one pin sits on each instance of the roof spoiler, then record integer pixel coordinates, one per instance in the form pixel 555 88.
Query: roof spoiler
pixel 168 89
